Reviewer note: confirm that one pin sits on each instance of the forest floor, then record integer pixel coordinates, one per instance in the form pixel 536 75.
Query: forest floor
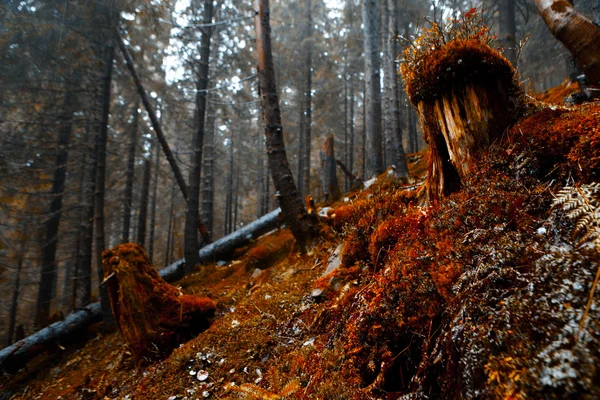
pixel 485 294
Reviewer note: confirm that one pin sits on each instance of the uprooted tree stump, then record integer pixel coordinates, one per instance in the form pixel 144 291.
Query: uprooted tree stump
pixel 153 316
pixel 466 94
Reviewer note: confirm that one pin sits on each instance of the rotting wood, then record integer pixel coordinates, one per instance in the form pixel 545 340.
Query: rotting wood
pixel 153 316
pixel 16 356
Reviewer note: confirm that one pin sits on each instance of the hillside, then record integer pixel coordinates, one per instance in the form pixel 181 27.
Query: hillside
pixel 483 294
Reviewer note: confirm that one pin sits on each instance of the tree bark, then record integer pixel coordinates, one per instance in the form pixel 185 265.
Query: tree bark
pixel 84 269
pixel 260 176
pixel 153 201
pixel 153 118
pixel 208 171
pixel 102 140
pixel 294 213
pixel 374 156
pixel 48 273
pixel 144 197
pixel 307 100
pixel 391 72
pixel 192 215
pixel 331 189
pixel 16 292
pixel 508 29
pixel 579 35
pixel 129 174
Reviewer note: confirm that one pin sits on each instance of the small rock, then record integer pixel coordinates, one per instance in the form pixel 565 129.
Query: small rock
pixel 202 375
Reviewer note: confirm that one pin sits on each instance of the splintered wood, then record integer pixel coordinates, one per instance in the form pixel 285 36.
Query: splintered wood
pixel 153 316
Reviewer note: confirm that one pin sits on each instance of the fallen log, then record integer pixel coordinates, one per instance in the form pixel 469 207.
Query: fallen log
pixel 16 356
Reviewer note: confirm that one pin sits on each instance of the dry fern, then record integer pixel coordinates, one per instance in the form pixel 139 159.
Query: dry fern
pixel 582 205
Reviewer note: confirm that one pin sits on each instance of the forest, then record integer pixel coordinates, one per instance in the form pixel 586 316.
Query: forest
pixel 393 199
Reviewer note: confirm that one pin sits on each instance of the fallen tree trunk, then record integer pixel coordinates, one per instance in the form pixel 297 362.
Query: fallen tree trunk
pixel 15 357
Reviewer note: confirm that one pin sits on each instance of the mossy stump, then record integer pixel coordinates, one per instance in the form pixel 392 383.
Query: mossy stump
pixel 153 316
pixel 466 95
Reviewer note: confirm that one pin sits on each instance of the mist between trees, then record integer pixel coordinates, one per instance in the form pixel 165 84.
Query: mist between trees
pixel 81 168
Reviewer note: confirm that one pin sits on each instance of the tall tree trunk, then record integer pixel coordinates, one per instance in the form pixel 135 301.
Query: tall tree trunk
pixel 129 173
pixel 16 292
pixel 301 149
pixel 48 273
pixel 153 118
pixel 153 202
pixel 508 29
pixel 144 197
pixel 102 140
pixel 260 176
pixel 579 34
pixel 352 128
pixel 229 189
pixel 84 269
pixel 374 156
pixel 307 99
pixel 331 189
pixel 208 171
pixel 236 195
pixel 169 246
pixel 291 203
pixel 397 152
pixel 192 215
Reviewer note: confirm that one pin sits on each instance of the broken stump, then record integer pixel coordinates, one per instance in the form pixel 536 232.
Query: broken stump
pixel 466 94
pixel 153 316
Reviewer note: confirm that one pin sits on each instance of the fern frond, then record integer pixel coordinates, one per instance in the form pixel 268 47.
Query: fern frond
pixel 581 204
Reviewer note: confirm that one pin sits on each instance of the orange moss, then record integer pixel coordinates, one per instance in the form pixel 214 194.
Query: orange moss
pixel 153 316
pixel 558 94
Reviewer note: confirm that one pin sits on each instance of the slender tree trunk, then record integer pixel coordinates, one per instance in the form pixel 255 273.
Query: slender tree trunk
pixel 291 203
pixel 364 133
pixel 153 202
pixel 398 156
pixel 208 170
pixel 153 118
pixel 352 128
pixel 168 252
pixel 260 177
pixel 579 35
pixel 236 193
pixel 84 269
pixel 267 199
pixel 508 29
pixel 16 292
pixel 374 157
pixel 192 216
pixel 129 174
pixel 307 100
pixel 48 273
pixel 229 189
pixel 144 197
pixel 331 189
pixel 301 149
pixel 102 140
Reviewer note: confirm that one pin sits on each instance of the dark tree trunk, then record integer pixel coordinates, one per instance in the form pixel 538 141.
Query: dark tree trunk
pixel 208 171
pixel 307 100
pixel 129 174
pixel 16 291
pixel 48 273
pixel 153 118
pixel 236 195
pixel 350 160
pixel 260 176
pixel 144 197
pixel 295 215
pixel 168 252
pixel 508 29
pixel 374 156
pixel 398 157
pixel 83 276
pixel 192 216
pixel 153 202
pixel 102 140
pixel 301 150
pixel 331 190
